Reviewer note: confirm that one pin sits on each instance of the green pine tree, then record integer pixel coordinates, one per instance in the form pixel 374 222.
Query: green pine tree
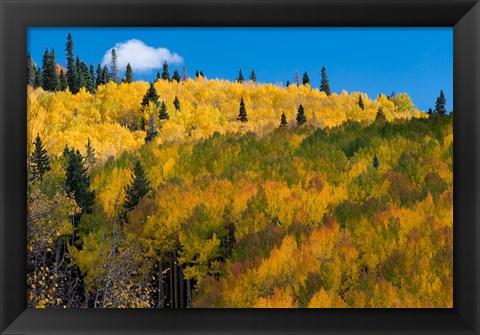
pixel 150 96
pixel 100 79
pixel 440 104
pixel 253 76
pixel 163 112
pixel 176 76
pixel 39 160
pixel 49 72
pixel 176 103
pixel 158 76
pixel 71 68
pixel 106 75
pixel 288 83
pixel 90 85
pixel 62 81
pixel 324 84
pixel 201 74
pixel 360 102
pixel 242 116
pixel 114 66
pixel 197 74
pixel 306 79
pixel 240 78
pixel 30 71
pixel 137 189
pixel 128 74
pixel 38 82
pixel 301 119
pixel 375 162
pixel 81 75
pixel 283 121
pixel 165 72
pixel 151 130
pixel 430 111
pixel 77 182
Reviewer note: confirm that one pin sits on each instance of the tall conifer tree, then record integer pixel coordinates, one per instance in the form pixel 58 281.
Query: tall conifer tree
pixel 128 74
pixel 39 160
pixel 324 84
pixel 242 115
pixel 301 119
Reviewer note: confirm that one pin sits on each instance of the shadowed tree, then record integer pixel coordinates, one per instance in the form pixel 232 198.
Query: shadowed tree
pixel 301 119
pixel 283 121
pixel 440 104
pixel 165 72
pixel 39 160
pixel 242 116
pixel 137 189
pixel 253 76
pixel 176 103
pixel 360 102
pixel 305 79
pixel 324 84
pixel 128 74
pixel 240 78
pixel 176 76
pixel 375 162
pixel 163 112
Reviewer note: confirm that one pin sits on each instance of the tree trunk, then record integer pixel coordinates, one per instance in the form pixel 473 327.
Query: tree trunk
pixel 181 283
pixel 161 293
pixel 175 279
pixel 171 283
pixel 189 294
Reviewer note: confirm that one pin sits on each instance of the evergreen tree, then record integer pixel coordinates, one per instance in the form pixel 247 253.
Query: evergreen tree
pixel 90 154
pixel 77 182
pixel 380 117
pixel 62 81
pixel 430 111
pixel 100 79
pixel 297 78
pixel 163 112
pixel 165 72
pixel 242 116
pixel 185 75
pixel 301 119
pixel 360 102
pixel 30 71
pixel 197 74
pixel 114 66
pixel 253 76
pixel 128 74
pixel 176 76
pixel 324 84
pixel 71 68
pixel 176 103
pixel 39 160
pixel 49 72
pixel 137 189
pixel 150 96
pixel 240 78
pixel 440 104
pixel 375 162
pixel 91 79
pixel 158 76
pixel 151 130
pixel 306 79
pixel 283 121
pixel 38 82
pixel 81 75
pixel 106 75
pixel 288 83
pixel 201 74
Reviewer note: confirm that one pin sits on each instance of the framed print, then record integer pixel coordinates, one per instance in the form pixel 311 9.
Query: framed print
pixel 239 167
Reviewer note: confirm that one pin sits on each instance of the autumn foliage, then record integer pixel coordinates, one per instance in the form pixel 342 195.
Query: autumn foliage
pixel 242 214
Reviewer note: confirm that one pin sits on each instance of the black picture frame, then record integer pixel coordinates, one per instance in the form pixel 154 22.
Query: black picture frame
pixel 462 15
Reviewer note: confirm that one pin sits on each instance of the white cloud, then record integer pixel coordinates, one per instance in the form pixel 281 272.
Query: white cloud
pixel 141 56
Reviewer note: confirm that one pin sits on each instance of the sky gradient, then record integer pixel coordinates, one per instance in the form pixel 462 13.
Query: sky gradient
pixel 417 61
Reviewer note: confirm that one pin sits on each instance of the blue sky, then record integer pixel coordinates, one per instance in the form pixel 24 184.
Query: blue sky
pixel 418 61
